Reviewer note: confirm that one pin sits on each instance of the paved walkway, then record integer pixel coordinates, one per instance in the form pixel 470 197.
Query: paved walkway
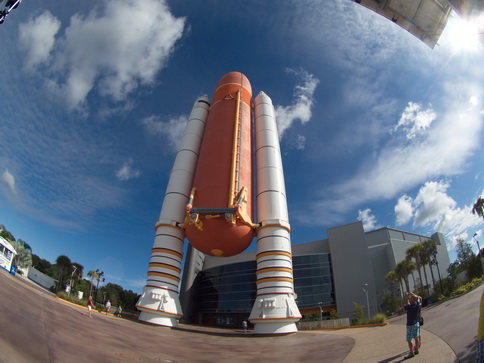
pixel 37 327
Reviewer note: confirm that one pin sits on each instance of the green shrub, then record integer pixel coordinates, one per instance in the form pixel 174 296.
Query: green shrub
pixel 358 315
pixel 333 314
pixel 71 298
pixel 379 318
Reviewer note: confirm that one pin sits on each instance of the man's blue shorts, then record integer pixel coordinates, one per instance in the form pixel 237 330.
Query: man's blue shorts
pixel 413 331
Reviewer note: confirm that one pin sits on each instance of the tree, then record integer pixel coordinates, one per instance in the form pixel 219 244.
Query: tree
pixel 64 267
pixel 390 303
pixel 25 244
pixel 430 250
pixel 23 259
pixel 6 234
pixel 425 260
pixel 333 314
pixel 93 275
pixel 403 269
pixel 464 253
pixel 453 272
pixel 474 267
pixel 414 253
pixel 478 207
pixel 41 264
pixel 358 313
pixel 393 278
pixel 466 260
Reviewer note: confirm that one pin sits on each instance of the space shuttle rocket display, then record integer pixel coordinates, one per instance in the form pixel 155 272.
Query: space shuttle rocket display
pixel 210 201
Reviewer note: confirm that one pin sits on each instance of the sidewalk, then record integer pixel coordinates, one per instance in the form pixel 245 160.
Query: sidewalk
pixel 387 344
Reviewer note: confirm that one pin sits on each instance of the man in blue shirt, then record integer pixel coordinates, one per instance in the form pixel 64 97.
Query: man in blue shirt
pixel 413 326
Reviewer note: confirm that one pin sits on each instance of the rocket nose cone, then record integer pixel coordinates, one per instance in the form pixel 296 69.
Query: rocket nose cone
pixel 262 98
pixel 236 78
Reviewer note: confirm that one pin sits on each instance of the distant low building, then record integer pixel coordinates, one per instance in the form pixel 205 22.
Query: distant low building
pixel 40 278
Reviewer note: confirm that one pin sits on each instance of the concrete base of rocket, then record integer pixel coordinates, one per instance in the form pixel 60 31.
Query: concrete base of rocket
pixel 159 307
pixel 275 314
pixel 158 319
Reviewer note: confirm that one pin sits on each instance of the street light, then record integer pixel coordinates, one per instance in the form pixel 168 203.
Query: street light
pixel 320 304
pixel 365 289
pixel 70 284
pixel 479 248
pixel 434 261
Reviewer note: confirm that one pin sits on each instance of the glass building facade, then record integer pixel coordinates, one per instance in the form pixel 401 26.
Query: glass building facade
pixel 225 294
pixel 313 281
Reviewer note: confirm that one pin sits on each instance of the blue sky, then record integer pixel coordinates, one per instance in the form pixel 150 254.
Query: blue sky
pixel 374 125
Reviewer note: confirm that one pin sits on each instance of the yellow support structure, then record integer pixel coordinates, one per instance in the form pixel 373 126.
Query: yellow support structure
pixel 235 152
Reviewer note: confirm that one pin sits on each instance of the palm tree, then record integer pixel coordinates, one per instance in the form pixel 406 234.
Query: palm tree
pixel 93 275
pixel 414 252
pixel 478 207
pixel 403 269
pixel 23 259
pixel 430 250
pixel 424 260
pixel 393 278
pixel 26 245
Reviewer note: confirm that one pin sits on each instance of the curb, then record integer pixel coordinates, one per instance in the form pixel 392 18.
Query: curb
pixel 81 306
pixel 349 327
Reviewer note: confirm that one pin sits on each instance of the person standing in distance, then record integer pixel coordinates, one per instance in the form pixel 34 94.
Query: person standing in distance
pixel 89 305
pixel 108 306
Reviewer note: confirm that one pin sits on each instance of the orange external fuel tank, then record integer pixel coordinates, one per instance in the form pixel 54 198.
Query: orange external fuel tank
pixel 220 210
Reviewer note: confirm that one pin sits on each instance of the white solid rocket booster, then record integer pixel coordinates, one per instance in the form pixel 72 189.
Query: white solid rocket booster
pixel 160 303
pixel 275 310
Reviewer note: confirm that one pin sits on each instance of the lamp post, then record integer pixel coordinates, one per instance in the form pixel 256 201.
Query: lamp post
pixel 320 304
pixel 434 261
pixel 99 279
pixel 365 289
pixel 70 284
pixel 478 248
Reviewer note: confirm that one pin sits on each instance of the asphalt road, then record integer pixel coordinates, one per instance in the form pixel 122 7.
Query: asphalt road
pixel 454 321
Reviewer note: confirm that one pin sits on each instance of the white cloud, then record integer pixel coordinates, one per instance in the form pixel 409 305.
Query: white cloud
pixel 368 219
pixel 415 120
pixel 452 240
pixel 127 172
pixel 435 209
pixel 300 142
pixel 173 128
pixel 403 210
pixel 37 36
pixel 113 49
pixel 300 109
pixel 398 166
pixel 432 203
pixel 9 180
